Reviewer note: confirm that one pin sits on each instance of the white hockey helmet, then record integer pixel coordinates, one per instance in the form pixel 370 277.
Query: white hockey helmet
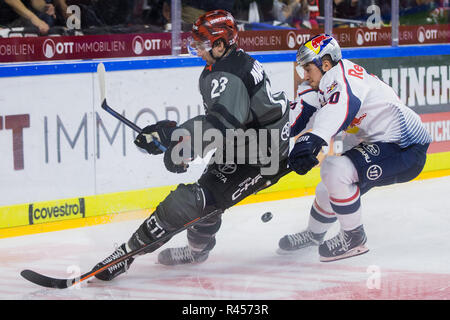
pixel 316 48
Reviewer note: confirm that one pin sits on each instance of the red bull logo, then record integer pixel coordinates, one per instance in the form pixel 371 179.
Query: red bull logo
pixel 331 87
pixel 316 44
pixel 357 121
pixel 353 127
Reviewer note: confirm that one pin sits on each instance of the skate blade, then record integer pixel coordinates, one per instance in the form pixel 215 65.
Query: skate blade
pixel 283 252
pixel 351 253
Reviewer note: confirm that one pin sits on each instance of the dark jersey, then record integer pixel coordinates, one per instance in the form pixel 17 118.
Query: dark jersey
pixel 238 101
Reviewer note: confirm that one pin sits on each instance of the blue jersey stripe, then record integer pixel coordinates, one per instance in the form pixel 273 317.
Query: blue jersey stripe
pixel 303 118
pixel 412 130
pixel 353 103
pixel 305 91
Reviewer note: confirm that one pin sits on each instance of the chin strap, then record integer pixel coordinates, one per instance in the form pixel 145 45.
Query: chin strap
pixel 227 48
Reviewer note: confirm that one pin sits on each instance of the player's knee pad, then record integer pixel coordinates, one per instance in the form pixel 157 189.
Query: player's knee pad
pixel 208 226
pixel 150 231
pixel 337 171
pixel 201 236
pixel 321 193
pixel 182 206
pixel 323 198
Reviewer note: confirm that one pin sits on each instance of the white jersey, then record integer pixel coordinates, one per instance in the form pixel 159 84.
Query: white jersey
pixel 303 109
pixel 352 100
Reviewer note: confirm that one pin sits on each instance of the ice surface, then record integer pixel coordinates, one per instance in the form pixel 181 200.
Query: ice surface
pixel 407 225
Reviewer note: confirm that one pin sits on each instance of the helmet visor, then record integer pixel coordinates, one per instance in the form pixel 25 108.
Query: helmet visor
pixel 194 46
pixel 300 71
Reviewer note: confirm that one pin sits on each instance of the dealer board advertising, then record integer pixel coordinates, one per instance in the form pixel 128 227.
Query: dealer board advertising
pixel 157 44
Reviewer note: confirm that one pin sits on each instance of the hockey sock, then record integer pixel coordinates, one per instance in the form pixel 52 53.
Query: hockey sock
pixel 348 209
pixel 322 215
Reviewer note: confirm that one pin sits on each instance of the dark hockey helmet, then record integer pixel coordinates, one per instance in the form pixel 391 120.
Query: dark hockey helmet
pixel 212 26
pixel 316 48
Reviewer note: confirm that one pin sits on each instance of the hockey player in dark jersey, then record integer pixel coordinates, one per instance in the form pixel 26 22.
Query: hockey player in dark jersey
pixel 238 100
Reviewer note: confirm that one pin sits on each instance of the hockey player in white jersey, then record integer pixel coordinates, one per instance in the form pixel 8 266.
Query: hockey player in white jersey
pixel 391 145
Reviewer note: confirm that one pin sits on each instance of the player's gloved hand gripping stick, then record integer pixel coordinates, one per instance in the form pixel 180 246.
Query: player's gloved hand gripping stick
pixel 101 72
pixel 303 156
pixel 154 138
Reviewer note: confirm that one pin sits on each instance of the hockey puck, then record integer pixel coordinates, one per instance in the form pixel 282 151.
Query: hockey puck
pixel 266 217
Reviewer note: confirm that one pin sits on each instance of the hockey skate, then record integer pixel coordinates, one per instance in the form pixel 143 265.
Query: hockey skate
pixel 292 242
pixel 182 255
pixel 117 269
pixel 345 245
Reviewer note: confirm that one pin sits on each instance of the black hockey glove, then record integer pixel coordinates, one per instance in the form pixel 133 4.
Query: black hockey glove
pixel 161 131
pixel 303 156
pixel 170 163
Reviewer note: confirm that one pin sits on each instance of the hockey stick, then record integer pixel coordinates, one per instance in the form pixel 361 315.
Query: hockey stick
pixel 50 282
pixel 101 72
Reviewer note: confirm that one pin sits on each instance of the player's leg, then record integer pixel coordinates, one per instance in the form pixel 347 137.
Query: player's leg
pixel 215 191
pixel 340 177
pixel 381 164
pixel 353 174
pixel 201 236
pixel 201 240
pixel 182 206
pixel 226 184
pixel 321 218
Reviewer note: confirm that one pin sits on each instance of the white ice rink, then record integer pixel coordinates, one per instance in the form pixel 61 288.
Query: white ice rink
pixel 407 225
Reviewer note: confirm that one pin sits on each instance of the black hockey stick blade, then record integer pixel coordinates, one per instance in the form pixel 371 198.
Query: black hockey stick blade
pixel 101 72
pixel 118 116
pixel 132 125
pixel 47 282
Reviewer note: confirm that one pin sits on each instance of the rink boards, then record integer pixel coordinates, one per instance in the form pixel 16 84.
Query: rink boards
pixel 67 163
